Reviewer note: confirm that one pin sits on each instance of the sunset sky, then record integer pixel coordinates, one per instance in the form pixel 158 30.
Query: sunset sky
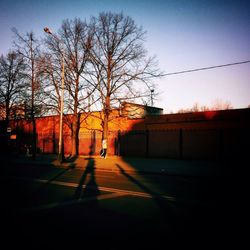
pixel 183 34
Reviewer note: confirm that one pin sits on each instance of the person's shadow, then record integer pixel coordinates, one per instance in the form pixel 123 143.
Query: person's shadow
pixel 87 187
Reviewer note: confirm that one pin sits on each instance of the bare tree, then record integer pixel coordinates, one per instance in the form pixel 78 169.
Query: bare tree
pixel 28 47
pixel 120 64
pixel 77 42
pixel 11 85
pixel 50 74
pixel 219 104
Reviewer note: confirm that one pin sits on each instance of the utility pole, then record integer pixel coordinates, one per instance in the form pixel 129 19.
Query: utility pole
pixel 60 150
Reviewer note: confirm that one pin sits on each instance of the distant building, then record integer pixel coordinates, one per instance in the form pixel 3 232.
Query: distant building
pixel 138 111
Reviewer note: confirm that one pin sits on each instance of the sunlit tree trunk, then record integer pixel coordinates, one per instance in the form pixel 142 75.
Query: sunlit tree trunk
pixel 107 106
pixel 75 122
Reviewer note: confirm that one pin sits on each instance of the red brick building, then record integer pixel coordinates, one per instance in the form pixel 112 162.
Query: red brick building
pixel 209 134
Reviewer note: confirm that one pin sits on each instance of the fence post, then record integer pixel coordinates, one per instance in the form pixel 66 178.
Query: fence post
pixel 221 144
pixel 181 143
pixel 147 142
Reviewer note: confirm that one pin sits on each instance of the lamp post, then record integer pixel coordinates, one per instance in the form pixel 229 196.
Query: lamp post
pixel 151 95
pixel 60 150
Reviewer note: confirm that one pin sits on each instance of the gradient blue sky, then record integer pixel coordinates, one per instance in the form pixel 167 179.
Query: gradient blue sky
pixel 183 34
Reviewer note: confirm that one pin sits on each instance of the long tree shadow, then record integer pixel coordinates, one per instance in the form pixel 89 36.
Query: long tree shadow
pixel 163 204
pixel 188 214
pixel 43 188
pixel 87 186
pixel 177 217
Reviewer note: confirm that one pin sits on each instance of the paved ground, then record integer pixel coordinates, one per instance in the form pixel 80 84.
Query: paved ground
pixel 121 200
pixel 131 164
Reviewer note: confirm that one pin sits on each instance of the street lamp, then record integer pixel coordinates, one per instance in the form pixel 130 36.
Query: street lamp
pixel 60 151
pixel 151 95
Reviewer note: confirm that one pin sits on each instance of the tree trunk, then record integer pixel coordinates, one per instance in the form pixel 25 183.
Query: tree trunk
pixel 32 101
pixel 76 123
pixel 33 138
pixel 75 133
pixel 106 120
pixel 107 102
pixel 105 126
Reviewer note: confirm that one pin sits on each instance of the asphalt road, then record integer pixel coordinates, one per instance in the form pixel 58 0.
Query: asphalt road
pixel 47 206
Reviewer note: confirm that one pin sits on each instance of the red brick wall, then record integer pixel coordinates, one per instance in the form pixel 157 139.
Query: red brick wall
pixel 192 135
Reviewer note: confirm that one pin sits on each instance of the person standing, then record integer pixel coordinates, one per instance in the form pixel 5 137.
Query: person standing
pixel 104 148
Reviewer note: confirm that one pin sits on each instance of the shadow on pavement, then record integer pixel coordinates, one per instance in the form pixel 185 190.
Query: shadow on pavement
pixel 84 218
pixel 87 187
pixel 158 199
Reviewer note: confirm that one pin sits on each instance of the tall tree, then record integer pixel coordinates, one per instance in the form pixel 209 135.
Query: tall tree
pixel 50 73
pixel 12 70
pixel 28 47
pixel 76 40
pixel 121 66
